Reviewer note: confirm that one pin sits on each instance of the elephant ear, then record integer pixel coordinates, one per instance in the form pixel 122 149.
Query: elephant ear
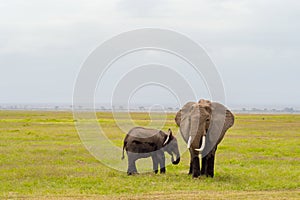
pixel 185 120
pixel 221 120
pixel 178 117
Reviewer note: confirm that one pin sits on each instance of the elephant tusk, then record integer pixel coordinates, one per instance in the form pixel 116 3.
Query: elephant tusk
pixel 189 142
pixel 202 145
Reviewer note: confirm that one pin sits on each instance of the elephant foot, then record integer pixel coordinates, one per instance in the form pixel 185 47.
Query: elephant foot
pixel 132 173
pixel 163 170
pixel 196 175
pixel 207 173
pixel 210 174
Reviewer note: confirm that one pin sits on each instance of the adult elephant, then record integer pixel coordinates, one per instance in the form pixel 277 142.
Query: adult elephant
pixel 203 125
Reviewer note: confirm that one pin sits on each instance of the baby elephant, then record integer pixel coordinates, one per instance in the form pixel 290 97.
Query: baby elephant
pixel 144 142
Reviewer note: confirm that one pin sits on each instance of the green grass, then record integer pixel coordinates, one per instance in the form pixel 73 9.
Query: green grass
pixel 41 156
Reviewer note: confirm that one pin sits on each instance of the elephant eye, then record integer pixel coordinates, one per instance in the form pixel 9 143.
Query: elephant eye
pixel 207 120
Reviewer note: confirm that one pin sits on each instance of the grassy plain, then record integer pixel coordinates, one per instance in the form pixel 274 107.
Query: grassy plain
pixel 42 157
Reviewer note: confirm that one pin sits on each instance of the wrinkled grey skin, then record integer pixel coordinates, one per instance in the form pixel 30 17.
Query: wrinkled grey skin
pixel 203 118
pixel 144 142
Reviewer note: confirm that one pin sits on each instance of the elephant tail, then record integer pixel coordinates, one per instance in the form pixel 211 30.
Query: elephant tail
pixel 123 151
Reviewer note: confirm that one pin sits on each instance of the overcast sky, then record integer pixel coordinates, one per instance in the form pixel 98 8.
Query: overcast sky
pixel 255 45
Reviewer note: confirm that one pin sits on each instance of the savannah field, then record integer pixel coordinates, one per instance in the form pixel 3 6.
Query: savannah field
pixel 42 157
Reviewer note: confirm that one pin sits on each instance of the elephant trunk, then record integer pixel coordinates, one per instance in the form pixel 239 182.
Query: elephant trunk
pixel 175 152
pixel 197 131
pixel 175 162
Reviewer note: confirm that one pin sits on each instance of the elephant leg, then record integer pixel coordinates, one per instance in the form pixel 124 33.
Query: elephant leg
pixel 211 163
pixel 195 163
pixel 191 167
pixel 191 162
pixel 162 160
pixel 155 162
pixel 131 164
pixel 196 167
pixel 204 165
pixel 210 166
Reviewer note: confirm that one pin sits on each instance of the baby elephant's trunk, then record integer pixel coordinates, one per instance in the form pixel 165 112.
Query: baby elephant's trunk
pixel 175 162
